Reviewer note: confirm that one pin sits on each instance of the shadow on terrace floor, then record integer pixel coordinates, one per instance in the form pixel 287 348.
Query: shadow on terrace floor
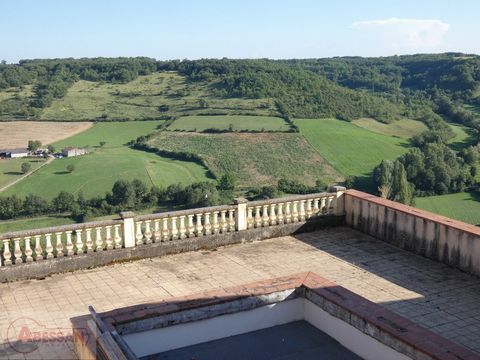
pixel 448 301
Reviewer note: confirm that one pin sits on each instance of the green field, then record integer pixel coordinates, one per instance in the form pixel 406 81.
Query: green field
pixel 462 137
pixel 404 128
pixel 237 122
pixel 461 206
pixel 33 223
pixel 255 159
pixel 10 169
pixel 96 172
pixel 350 149
pixel 143 97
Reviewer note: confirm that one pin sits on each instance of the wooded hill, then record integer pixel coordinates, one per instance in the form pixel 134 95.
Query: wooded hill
pixel 345 88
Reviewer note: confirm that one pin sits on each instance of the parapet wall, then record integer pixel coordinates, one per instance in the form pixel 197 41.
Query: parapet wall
pixel 436 237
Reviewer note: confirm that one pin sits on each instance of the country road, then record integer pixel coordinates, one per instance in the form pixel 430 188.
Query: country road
pixel 26 175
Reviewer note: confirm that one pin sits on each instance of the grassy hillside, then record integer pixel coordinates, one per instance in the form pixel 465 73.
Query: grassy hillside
pixel 157 95
pixel 351 149
pixel 404 128
pixel 10 169
pixel 463 137
pixel 255 159
pixel 96 172
pixel 461 206
pixel 237 122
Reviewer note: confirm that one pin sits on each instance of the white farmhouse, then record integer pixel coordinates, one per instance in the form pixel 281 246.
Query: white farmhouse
pixel 73 151
pixel 14 153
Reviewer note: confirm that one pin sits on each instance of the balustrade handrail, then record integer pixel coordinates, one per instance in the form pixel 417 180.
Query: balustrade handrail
pixel 185 212
pixel 61 228
pixel 290 199
pixel 133 230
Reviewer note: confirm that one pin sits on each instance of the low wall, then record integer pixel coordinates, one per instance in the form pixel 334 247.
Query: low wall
pixel 41 269
pixel 436 237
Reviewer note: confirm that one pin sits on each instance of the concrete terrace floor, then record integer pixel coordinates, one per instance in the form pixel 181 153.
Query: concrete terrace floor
pixel 431 294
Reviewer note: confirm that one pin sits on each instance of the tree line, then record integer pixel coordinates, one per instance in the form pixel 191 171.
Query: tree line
pixel 430 167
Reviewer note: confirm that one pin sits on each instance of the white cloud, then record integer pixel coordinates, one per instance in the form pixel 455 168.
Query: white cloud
pixel 406 34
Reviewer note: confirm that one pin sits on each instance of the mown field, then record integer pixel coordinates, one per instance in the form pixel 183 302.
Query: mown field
pixel 461 206
pixel 404 128
pixel 33 223
pixel 150 96
pixel 255 159
pixel 10 169
pixel 235 122
pixel 96 172
pixel 349 148
pixel 16 134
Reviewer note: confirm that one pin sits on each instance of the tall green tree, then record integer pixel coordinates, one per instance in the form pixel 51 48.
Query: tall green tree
pixel 401 189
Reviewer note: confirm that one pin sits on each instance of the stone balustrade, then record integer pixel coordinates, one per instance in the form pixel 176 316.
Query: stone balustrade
pixel 58 242
pixel 135 231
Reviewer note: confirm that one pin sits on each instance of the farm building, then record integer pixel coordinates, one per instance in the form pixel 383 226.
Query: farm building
pixel 14 153
pixel 73 151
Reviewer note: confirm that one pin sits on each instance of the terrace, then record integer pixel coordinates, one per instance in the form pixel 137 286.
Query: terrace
pixel 416 265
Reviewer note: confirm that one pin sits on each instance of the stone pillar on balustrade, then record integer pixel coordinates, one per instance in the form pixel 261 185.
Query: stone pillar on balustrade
pixel 339 199
pixel 241 214
pixel 128 218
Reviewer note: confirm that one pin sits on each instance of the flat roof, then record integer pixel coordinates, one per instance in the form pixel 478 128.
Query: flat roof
pixel 295 340
pixel 433 295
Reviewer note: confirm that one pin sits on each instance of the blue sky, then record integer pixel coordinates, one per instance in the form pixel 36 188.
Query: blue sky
pixel 235 28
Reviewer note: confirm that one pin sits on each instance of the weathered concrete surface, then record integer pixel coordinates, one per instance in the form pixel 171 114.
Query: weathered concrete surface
pixel 431 294
pixel 434 236
pixel 41 269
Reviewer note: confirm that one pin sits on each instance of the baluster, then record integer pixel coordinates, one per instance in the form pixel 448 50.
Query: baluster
pixel 258 219
pixel 199 227
pixel 231 221
pixel 323 209
pixel 118 239
pixel 280 214
pixel 148 232
pixel 302 210
pixel 174 228
pixel 315 206
pixel 58 244
pixel 223 221
pixel 48 246
pixel 191 227
pixel 309 208
pixel 88 240
pixel 206 225
pixel 295 211
pixel 265 219
pixel 18 251
pixel 139 235
pixel 79 241
pixel 288 214
pixel 250 223
pixel 38 249
pixel 69 243
pixel 165 231
pixel 182 229
pixel 156 231
pixel 108 237
pixel 330 208
pixel 216 227
pixel 28 249
pixel 98 239
pixel 7 255
pixel 273 216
